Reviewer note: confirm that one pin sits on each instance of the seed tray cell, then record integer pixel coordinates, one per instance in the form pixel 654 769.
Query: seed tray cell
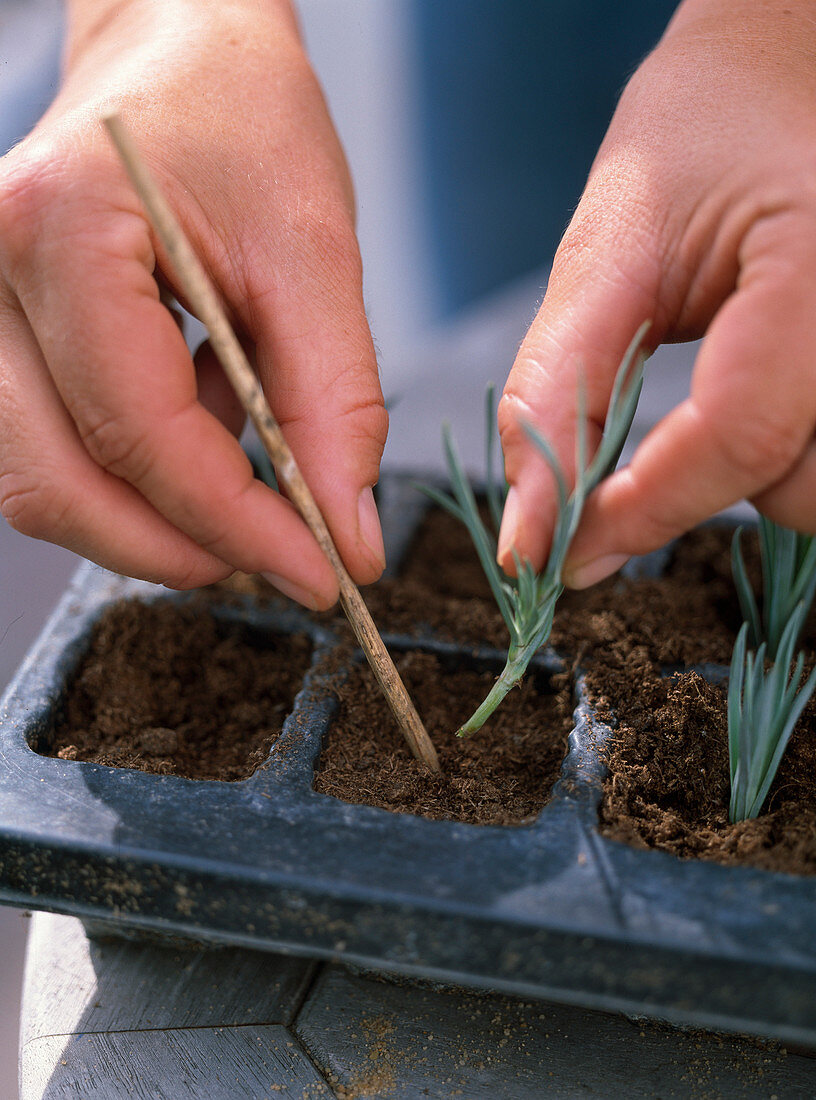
pixel 549 909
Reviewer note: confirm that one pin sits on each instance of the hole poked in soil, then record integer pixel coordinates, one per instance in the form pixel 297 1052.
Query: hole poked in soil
pixel 168 690
pixel 501 775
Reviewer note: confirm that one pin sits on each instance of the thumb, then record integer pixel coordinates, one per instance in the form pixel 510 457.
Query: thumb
pixel 605 283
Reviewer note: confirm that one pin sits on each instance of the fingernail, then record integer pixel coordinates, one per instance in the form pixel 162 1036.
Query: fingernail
pixel 293 591
pixel 590 572
pixel 368 521
pixel 508 535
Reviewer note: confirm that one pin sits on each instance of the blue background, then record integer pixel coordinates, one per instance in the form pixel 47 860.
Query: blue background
pixel 514 99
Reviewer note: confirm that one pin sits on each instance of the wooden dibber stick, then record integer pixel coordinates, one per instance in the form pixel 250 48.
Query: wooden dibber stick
pixel 202 297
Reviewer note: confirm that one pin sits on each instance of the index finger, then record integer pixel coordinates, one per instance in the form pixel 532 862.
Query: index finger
pixel 127 379
pixel 597 298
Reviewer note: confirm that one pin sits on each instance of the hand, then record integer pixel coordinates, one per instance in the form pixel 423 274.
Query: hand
pixel 699 215
pixel 113 442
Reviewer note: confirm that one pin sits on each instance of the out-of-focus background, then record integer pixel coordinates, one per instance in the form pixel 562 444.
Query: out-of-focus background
pixel 470 126
pixel 32 574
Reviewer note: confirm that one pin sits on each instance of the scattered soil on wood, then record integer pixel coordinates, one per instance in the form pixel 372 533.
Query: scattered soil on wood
pixel 500 776
pixel 167 690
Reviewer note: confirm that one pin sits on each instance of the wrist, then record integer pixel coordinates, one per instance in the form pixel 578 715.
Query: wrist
pixel 108 24
pixel 777 18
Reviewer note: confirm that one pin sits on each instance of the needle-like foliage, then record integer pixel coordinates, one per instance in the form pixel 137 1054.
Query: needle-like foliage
pixel 764 705
pixel 527 601
pixel 788 579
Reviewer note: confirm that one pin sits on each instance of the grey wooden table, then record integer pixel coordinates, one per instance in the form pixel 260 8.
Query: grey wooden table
pixel 106 1019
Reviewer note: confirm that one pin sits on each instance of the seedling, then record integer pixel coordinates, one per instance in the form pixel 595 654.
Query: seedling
pixel 764 705
pixel 527 601
pixel 788 579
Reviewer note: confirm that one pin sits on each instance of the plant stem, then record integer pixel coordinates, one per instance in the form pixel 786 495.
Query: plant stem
pixel 518 659
pixel 527 601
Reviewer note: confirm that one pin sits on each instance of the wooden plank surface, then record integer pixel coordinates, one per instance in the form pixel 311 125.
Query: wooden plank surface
pixel 74 984
pixel 376 1038
pixel 102 1021
pixel 238 1063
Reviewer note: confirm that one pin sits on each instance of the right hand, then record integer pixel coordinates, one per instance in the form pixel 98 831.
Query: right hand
pixel 113 442
pixel 698 215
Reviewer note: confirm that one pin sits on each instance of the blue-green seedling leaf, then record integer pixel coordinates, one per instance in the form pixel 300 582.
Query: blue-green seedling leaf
pixel 527 602
pixel 623 404
pixel 442 500
pixel 550 458
pixel 764 705
pixel 745 593
pixel 464 505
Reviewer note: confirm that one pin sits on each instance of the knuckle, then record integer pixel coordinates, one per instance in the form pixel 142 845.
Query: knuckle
pixel 32 507
pixel 601 220
pixel 578 243
pixel 26 191
pixel 368 428
pixel 50 200
pixel 349 395
pixel 760 448
pixel 508 416
pixel 356 403
pixel 616 236
pixel 369 420
pixel 116 445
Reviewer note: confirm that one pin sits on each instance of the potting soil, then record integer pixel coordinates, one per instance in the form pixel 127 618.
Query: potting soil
pixel 164 689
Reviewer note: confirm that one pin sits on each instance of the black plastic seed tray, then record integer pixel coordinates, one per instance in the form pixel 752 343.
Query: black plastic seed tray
pixel 550 909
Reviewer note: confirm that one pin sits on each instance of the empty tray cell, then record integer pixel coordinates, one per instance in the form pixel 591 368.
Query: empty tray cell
pixel 168 689
pixel 501 775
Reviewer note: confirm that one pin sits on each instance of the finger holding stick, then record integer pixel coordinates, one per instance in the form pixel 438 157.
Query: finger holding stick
pixel 204 301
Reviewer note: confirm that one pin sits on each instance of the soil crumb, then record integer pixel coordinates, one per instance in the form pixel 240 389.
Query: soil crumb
pixel 167 690
pixel 148 693
pixel 669 786
pixel 441 587
pixel 499 776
